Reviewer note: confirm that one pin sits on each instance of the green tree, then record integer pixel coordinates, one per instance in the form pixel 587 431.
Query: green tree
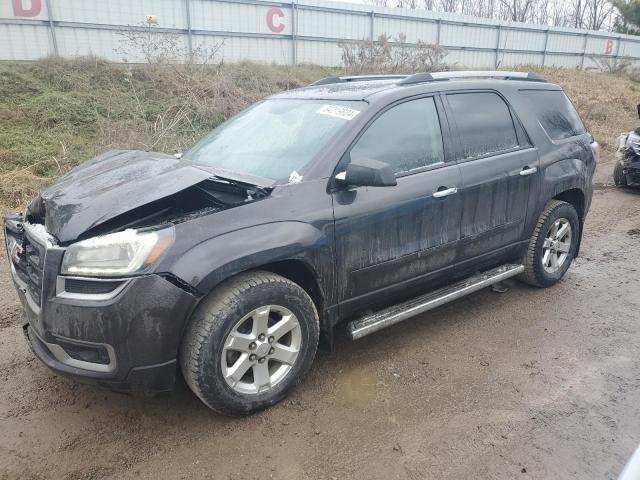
pixel 629 19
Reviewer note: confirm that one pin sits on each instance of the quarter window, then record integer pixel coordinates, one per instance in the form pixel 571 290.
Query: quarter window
pixel 406 136
pixel 484 123
pixel 555 112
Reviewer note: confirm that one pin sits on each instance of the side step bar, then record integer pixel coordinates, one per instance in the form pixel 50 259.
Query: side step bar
pixel 373 322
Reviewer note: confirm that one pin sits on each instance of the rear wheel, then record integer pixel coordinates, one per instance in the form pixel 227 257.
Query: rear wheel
pixel 553 245
pixel 619 178
pixel 250 343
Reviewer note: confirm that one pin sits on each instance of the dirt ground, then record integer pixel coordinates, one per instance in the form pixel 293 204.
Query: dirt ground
pixel 526 384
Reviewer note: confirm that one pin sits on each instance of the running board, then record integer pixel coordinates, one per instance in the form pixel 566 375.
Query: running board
pixel 373 322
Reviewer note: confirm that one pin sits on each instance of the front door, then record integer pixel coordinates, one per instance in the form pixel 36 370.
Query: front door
pixel 388 239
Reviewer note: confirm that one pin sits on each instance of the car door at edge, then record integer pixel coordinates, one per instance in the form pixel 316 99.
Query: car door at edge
pixel 395 236
pixel 499 169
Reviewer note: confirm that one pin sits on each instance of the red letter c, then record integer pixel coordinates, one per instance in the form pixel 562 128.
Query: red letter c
pixel 271 14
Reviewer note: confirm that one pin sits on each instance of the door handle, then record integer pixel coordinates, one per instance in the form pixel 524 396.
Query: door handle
pixel 445 193
pixel 528 171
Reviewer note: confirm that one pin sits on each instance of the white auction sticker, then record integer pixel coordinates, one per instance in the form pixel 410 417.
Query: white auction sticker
pixel 338 111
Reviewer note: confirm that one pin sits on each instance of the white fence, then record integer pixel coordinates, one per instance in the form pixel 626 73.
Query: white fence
pixel 289 33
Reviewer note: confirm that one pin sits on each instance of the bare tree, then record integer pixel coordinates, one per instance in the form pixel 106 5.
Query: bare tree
pixel 598 12
pixel 517 10
pixel 589 14
pixel 449 6
pixel 383 3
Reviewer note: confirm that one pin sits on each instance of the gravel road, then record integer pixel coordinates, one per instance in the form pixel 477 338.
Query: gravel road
pixel 525 384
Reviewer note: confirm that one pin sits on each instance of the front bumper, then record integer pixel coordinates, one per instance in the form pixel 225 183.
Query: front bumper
pixel 633 174
pixel 126 339
pixel 630 166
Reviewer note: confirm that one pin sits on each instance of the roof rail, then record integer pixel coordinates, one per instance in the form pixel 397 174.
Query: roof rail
pixel 357 78
pixel 434 76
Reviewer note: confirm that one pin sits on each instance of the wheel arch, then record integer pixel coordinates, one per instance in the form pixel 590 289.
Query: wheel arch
pixel 576 198
pixel 301 273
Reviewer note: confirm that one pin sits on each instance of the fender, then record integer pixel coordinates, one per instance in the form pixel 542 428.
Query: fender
pixel 564 175
pixel 569 167
pixel 208 263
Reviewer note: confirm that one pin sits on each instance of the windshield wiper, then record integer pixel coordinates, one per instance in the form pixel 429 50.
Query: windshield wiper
pixel 250 188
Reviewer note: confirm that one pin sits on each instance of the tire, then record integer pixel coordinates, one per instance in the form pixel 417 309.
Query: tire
pixel 538 273
pixel 619 178
pixel 208 355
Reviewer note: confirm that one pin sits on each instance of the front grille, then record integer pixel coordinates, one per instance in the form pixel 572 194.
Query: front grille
pixel 28 260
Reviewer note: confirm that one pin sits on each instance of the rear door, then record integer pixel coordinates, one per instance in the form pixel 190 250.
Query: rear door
pixel 500 172
pixel 389 238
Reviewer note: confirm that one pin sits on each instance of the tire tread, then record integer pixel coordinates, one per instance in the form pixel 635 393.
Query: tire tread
pixel 529 275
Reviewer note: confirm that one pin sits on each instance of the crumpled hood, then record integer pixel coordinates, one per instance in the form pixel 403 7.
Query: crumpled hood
pixel 110 185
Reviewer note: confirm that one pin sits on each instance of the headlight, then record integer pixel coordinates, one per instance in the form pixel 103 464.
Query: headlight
pixel 130 252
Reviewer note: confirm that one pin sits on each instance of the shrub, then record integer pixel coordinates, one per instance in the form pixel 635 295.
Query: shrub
pixel 385 56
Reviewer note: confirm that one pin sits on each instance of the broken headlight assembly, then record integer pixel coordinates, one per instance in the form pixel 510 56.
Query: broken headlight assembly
pixel 130 252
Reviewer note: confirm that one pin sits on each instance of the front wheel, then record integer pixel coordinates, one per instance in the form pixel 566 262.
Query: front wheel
pixel 249 343
pixel 553 245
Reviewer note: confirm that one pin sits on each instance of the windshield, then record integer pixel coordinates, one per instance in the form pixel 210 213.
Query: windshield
pixel 275 139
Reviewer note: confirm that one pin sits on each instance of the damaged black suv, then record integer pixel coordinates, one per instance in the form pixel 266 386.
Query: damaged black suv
pixel 358 201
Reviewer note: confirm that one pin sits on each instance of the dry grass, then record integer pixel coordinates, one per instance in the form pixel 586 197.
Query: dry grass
pixel 55 114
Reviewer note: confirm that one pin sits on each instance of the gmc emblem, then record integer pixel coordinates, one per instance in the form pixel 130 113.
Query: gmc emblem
pixel 15 250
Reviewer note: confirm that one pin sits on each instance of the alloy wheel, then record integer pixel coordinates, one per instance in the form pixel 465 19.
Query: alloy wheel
pixel 261 349
pixel 556 247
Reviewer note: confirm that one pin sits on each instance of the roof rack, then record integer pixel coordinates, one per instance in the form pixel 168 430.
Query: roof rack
pixel 357 78
pixel 435 76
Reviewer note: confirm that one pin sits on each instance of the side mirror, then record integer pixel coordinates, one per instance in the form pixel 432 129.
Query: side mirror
pixel 364 172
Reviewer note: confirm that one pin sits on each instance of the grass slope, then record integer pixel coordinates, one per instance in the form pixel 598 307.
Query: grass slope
pixel 55 114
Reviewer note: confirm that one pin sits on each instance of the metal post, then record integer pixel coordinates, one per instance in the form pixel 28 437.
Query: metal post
pixel 371 27
pixel 497 62
pixel 584 51
pixel 187 6
pixel 544 52
pixel 52 29
pixel 438 27
pixel 294 32
pixel 617 54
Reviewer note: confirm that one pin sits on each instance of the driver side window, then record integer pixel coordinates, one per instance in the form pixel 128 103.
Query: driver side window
pixel 406 136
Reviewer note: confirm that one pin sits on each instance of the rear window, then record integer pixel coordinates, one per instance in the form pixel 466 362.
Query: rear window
pixel 555 113
pixel 484 123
